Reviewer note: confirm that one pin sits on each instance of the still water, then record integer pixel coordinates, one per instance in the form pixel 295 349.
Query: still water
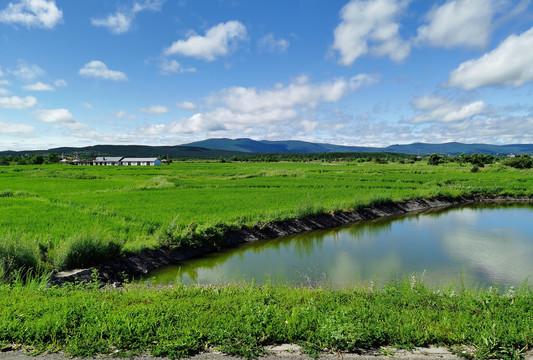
pixel 484 245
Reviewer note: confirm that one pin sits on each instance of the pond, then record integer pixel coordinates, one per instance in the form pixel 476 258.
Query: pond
pixel 475 245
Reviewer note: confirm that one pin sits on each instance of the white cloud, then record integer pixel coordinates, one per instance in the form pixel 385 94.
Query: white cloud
pixel 173 67
pixel 156 109
pixel 117 23
pixel 299 93
pixel 509 64
pixel 361 80
pixel 54 116
pixel 87 105
pixel 218 41
pixel 186 105
pixel 15 102
pixel 439 109
pixel 370 26
pixel 309 126
pixel 62 118
pixel 269 44
pixel 253 111
pixel 60 83
pixel 38 86
pixel 122 114
pixel 4 82
pixel 15 129
pixel 458 23
pixel 4 91
pixel 27 71
pixel 98 69
pixel 121 21
pixel 32 13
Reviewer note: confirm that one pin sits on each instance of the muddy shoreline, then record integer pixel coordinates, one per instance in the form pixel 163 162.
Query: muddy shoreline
pixel 116 271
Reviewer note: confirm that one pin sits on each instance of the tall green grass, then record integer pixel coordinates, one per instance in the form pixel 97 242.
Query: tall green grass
pixel 186 203
pixel 242 319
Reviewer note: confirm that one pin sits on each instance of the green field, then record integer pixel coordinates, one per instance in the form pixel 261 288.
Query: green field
pixel 50 213
pixel 54 217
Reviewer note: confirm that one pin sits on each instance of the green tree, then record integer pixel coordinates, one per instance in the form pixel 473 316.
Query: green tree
pixel 434 159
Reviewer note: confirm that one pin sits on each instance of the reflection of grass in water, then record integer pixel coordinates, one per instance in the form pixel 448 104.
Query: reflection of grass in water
pixel 313 278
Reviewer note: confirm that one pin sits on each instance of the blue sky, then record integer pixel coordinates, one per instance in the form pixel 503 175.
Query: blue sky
pixel 359 72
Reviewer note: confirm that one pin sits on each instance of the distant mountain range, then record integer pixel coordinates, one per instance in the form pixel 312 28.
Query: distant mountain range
pixel 215 148
pixel 292 146
pixel 178 151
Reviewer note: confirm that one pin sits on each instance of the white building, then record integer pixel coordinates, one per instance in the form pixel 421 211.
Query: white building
pixel 141 161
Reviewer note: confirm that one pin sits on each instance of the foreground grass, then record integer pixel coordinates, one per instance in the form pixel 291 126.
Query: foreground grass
pixel 242 319
pixel 55 217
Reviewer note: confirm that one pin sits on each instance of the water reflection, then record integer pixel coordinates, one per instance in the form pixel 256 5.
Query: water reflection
pixel 484 245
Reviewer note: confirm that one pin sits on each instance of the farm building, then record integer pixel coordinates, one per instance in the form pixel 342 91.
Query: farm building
pixel 104 160
pixel 141 161
pixel 118 161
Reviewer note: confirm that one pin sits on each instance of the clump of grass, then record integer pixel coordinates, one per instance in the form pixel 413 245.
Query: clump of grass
pixel 83 250
pixel 18 255
pixel 194 235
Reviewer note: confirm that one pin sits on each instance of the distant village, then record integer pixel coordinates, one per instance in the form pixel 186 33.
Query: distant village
pixel 114 161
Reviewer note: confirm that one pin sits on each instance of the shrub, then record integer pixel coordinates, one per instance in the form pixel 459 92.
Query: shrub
pixel 522 162
pixel 474 169
pixel 84 250
pixel 435 159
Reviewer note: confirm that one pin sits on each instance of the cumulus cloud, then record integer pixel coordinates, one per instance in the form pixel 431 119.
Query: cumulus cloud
pixel 61 117
pixel 440 109
pixel 217 41
pixel 32 13
pixel 263 111
pixel 15 129
pixel 168 67
pixel 122 114
pixel 509 64
pixel 156 109
pixel 98 69
pixel 4 91
pixel 60 83
pixel 270 44
pixel 26 71
pixel 38 86
pixel 54 116
pixel 15 102
pixel 121 21
pixel 186 105
pixel 489 130
pixel 4 82
pixel 370 27
pixel 458 23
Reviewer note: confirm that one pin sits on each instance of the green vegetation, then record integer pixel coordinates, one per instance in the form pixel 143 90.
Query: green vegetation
pixel 55 216
pixel 84 320
pixel 58 217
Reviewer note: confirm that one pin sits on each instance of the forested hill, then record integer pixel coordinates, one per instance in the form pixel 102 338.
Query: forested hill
pixel 291 146
pixel 182 152
pixel 225 148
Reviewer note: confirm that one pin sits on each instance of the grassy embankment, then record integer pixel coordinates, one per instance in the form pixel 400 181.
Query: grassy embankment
pixel 57 217
pixel 242 319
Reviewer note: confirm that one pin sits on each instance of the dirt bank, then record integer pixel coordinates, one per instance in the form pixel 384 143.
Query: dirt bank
pixel 117 270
